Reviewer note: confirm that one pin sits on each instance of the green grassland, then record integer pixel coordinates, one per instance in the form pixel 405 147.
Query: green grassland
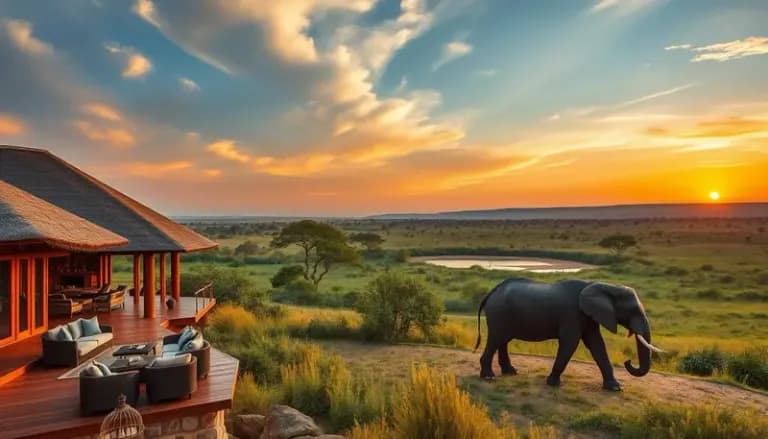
pixel 703 282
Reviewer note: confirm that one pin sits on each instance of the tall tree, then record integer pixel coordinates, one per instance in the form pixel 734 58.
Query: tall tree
pixel 371 241
pixel 323 246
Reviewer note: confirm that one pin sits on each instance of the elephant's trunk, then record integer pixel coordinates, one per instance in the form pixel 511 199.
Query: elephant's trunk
pixel 643 355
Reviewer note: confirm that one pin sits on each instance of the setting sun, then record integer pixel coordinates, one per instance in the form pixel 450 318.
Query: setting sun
pixel 714 196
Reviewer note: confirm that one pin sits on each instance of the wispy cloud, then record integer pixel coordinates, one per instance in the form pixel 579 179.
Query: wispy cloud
pixel 486 73
pixel 188 84
pixel 620 6
pixel 732 50
pixel 118 137
pixel 678 47
pixel 451 52
pixel 135 65
pixel 656 95
pixel 11 125
pixel 20 33
pixel 726 51
pixel 102 111
pixel 226 149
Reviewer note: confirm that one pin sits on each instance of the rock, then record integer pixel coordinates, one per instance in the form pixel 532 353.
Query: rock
pixel 248 426
pixel 284 422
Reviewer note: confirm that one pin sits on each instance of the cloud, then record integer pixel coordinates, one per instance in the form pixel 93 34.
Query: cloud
pixel 118 137
pixel 451 52
pixel 732 50
pixel 487 73
pixel 20 33
pixel 135 65
pixel 188 84
pixel 226 149
pixel 102 111
pixel 155 170
pixel 621 6
pixel 678 47
pixel 734 126
pixel 656 95
pixel 212 172
pixel 11 125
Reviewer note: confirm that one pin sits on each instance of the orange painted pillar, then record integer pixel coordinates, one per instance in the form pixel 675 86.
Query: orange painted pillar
pixel 100 276
pixel 149 285
pixel 136 279
pixel 176 276
pixel 162 279
pixel 109 269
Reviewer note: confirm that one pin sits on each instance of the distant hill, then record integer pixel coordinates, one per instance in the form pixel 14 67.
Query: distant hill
pixel 628 211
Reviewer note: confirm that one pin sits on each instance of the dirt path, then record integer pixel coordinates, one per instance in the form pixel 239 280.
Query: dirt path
pixel 526 396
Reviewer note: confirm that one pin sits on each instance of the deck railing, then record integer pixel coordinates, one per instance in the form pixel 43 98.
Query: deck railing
pixel 203 296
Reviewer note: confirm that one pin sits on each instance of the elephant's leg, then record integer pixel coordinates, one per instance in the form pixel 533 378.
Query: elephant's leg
pixel 486 360
pixel 596 345
pixel 567 346
pixel 504 362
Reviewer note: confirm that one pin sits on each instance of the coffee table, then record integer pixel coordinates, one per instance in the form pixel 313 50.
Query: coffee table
pixel 124 364
pixel 135 349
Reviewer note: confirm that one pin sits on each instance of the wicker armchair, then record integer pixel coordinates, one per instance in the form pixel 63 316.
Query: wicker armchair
pixel 170 382
pixel 203 355
pixel 60 305
pixel 99 394
pixel 109 301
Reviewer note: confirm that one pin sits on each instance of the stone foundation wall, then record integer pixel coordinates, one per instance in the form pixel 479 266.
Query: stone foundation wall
pixel 207 426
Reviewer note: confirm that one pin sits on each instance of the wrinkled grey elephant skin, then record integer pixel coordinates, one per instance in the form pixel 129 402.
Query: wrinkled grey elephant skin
pixel 570 311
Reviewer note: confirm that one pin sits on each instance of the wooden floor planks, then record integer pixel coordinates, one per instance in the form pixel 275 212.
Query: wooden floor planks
pixel 36 404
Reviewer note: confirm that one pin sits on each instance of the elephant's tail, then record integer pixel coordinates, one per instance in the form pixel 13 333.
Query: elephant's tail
pixel 479 311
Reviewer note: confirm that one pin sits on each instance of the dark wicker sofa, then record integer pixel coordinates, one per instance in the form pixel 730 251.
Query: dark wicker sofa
pixel 71 353
pixel 170 382
pixel 203 354
pixel 100 394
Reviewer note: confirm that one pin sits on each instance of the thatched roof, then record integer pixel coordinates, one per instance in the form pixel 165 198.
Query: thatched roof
pixel 50 178
pixel 26 219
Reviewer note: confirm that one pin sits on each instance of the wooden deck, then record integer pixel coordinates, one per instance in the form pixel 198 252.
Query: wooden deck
pixel 36 404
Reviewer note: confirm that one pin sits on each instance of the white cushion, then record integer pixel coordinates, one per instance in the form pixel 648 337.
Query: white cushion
pixel 171 347
pixel 103 368
pixel 177 360
pixel 194 344
pixel 102 338
pixel 92 371
pixel 75 329
pixel 52 333
pixel 85 346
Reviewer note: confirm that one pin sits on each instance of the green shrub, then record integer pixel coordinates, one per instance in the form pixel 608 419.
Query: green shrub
pixel 229 284
pixel 432 406
pixel 750 368
pixel 704 363
pixel 264 356
pixel 251 397
pixel 304 387
pixel 474 291
pixel 232 321
pixel 667 421
pixel 707 267
pixel 298 292
pixel 395 303
pixel 354 401
pixel 286 275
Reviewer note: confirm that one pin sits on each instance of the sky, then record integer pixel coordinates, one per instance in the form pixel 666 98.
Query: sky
pixel 356 107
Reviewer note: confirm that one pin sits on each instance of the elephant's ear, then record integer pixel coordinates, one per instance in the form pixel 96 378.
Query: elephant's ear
pixel 595 301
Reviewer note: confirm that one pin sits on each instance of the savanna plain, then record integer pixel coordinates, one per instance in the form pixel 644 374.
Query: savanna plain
pixel 320 345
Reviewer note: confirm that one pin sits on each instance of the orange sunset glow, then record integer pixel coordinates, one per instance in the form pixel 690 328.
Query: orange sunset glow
pixel 393 106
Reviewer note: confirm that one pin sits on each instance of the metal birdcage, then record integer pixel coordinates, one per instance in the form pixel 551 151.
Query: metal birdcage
pixel 124 422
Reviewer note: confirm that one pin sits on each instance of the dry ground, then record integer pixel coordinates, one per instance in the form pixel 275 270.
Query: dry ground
pixel 525 396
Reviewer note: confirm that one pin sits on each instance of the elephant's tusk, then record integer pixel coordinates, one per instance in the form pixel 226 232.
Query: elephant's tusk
pixel 648 345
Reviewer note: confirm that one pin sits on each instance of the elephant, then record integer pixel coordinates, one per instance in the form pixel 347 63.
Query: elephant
pixel 569 311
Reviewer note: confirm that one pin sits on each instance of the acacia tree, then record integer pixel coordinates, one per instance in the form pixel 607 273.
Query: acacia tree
pixel 323 246
pixel 618 242
pixel 371 241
